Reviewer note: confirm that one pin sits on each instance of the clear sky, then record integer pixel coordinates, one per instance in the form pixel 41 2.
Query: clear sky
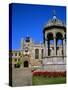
pixel 30 19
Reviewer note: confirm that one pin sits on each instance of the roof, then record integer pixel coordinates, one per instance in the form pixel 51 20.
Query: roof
pixel 54 22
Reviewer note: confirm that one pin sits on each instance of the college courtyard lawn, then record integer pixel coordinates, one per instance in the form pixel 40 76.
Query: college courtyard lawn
pixel 40 80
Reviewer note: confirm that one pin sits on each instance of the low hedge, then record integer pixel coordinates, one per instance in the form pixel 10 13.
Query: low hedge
pixel 49 74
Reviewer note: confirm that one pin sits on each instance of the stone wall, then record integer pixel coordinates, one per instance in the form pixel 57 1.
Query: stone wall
pixel 55 67
pixel 54 63
pixel 21 77
pixel 54 60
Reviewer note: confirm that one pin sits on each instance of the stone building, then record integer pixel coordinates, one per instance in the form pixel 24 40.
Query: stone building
pixel 55 56
pixel 49 55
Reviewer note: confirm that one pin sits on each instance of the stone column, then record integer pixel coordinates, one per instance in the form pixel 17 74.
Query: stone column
pixel 46 46
pixel 64 52
pixel 54 46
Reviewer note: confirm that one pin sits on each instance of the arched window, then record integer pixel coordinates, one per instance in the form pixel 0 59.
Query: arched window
pixel 36 53
pixel 42 52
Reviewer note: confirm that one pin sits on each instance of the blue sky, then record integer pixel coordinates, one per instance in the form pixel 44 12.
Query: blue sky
pixel 30 19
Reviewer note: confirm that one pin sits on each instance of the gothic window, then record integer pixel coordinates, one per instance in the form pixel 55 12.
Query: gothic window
pixel 36 53
pixel 42 53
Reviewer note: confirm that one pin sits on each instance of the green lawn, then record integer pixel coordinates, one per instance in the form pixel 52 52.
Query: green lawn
pixel 40 80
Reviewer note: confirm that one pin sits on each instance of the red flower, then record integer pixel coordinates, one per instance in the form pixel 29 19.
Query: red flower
pixel 49 74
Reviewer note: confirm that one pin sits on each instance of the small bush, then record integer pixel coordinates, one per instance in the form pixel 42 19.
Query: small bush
pixel 17 65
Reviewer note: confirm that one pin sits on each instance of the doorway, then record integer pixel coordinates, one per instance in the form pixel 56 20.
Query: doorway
pixel 25 63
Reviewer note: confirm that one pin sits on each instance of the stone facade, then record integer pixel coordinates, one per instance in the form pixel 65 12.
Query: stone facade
pixel 50 56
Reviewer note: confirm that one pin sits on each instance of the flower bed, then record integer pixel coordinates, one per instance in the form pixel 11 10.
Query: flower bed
pixel 49 74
